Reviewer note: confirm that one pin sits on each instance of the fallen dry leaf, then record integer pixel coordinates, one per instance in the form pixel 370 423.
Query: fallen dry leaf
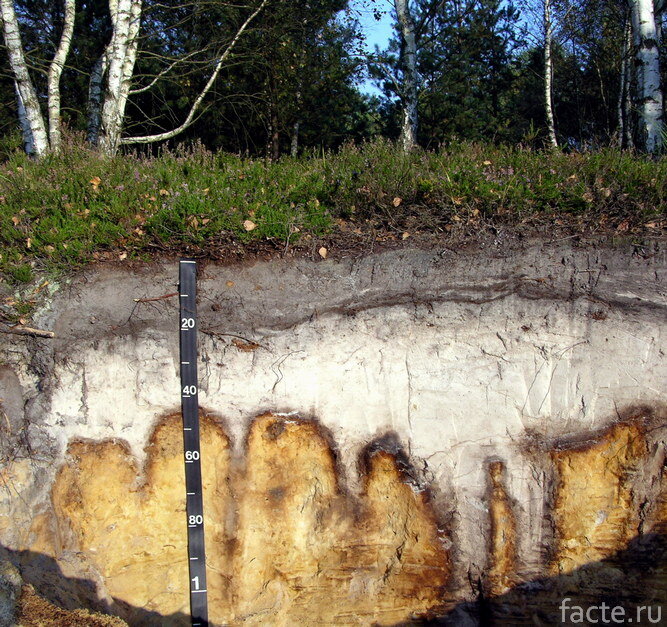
pixel 249 225
pixel 623 226
pixel 122 256
pixel 164 192
pixel 323 252
pixel 397 201
pixel 16 220
pixel 28 243
pixel 405 235
pixel 487 162
pixel 230 283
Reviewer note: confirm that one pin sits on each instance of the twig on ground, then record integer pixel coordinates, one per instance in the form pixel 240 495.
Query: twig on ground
pixel 22 330
pixel 149 300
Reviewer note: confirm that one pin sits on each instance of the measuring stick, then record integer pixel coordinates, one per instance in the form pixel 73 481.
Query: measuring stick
pixel 194 507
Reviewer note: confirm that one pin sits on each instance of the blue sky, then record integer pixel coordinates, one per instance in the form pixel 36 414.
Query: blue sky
pixel 377 32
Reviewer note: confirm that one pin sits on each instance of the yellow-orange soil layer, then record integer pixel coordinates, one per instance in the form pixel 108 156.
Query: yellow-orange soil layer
pixel 290 547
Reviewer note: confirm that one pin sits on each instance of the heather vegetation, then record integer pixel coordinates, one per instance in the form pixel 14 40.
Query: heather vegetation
pixel 69 209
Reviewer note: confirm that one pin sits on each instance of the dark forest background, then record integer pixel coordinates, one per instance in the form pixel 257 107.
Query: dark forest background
pixel 293 80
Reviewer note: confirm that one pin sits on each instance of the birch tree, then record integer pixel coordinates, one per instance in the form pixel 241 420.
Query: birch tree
pixel 648 97
pixel 409 85
pixel 446 68
pixel 545 20
pixel 117 62
pixel 55 72
pixel 36 140
pixel 412 21
pixel 111 76
pixel 549 72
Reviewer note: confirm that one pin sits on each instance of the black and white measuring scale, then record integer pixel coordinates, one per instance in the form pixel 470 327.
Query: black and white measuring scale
pixel 194 507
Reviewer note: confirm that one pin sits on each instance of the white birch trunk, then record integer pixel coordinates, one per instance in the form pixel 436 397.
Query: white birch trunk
pixel 130 56
pixel 126 19
pixel 30 115
pixel 548 74
pixel 409 88
pixel 647 62
pixel 55 72
pixel 26 132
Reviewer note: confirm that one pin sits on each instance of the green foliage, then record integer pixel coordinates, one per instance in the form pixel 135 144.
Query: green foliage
pixel 469 66
pixel 465 63
pixel 20 273
pixel 64 211
pixel 296 86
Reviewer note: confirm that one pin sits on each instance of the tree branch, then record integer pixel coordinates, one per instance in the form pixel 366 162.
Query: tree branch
pixel 55 72
pixel 141 90
pixel 21 330
pixel 147 139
